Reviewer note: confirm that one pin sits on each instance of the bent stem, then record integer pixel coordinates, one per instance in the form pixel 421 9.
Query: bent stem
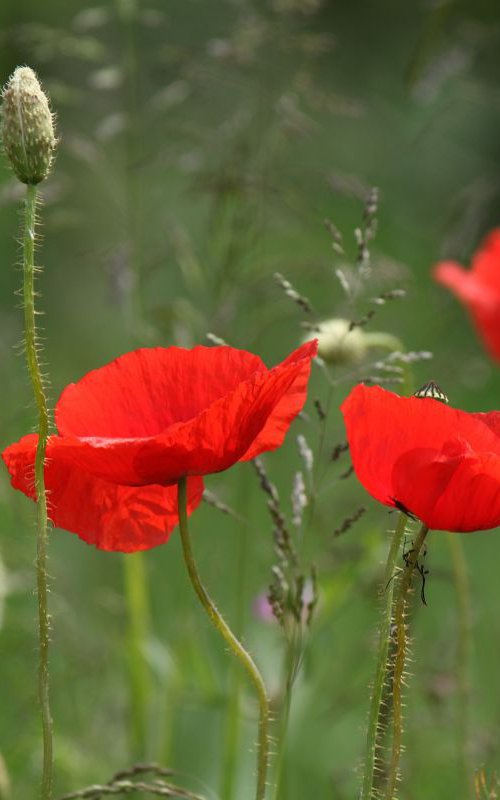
pixel 401 643
pixel 32 350
pixel 376 707
pixel 235 646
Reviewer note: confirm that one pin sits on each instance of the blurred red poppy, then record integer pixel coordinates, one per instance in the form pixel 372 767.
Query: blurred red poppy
pixel 479 289
pixel 438 463
pixel 131 429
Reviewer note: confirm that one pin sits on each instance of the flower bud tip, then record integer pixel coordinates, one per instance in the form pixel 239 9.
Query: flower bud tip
pixel 27 126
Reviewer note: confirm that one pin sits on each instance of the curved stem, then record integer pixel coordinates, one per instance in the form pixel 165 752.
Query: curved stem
pixel 400 661
pixel 235 646
pixel 42 518
pixel 376 707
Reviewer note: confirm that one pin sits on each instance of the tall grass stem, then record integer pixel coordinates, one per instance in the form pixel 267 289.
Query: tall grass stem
pixel 233 726
pixel 463 657
pixel 136 586
pixel 292 663
pixel 137 600
pixel 234 645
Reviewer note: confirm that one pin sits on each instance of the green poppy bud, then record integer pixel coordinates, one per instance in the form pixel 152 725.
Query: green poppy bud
pixel 337 344
pixel 340 343
pixel 27 127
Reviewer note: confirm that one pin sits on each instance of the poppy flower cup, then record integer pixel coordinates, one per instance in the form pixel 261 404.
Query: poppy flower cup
pixel 479 289
pixel 129 431
pixel 437 463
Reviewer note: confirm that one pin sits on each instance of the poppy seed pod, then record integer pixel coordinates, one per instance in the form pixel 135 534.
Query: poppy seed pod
pixel 27 127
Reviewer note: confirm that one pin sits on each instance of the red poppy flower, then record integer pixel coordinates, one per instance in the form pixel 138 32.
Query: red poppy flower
pixel 131 429
pixel 479 289
pixel 438 463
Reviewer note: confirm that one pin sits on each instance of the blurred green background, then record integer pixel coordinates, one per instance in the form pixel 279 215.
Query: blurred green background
pixel 203 144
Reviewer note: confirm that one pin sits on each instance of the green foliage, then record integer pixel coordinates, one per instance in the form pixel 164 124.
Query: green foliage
pixel 202 148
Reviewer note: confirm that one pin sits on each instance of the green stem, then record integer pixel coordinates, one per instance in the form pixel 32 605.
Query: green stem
pixel 231 738
pixel 383 341
pixel 138 621
pixel 128 13
pixel 42 518
pixel 234 645
pixel 400 601
pixel 232 732
pixel 376 708
pixel 291 666
pixel 463 655
pixel 386 341
pixel 136 588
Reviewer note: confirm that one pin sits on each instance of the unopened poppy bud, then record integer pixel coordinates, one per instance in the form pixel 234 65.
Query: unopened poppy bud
pixel 341 343
pixel 338 344
pixel 27 127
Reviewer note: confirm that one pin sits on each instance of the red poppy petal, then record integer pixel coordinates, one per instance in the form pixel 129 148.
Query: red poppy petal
pixel 413 451
pixel 227 431
pixel 381 426
pixel 483 303
pixel 109 516
pixel 142 393
pixel 465 285
pixel 275 429
pixel 489 418
pixel 486 262
pixel 458 492
pixel 479 289
pixel 211 442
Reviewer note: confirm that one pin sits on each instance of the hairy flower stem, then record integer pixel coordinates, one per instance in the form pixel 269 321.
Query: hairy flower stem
pixel 463 656
pixel 400 600
pixel 376 707
pixel 234 645
pixel 42 519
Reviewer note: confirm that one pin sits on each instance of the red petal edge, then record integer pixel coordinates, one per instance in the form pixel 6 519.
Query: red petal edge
pixel 109 516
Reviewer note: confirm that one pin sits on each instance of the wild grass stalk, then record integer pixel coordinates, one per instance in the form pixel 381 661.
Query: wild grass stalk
pixel 137 598
pixel 292 660
pixel 463 656
pixel 135 570
pixel 233 720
